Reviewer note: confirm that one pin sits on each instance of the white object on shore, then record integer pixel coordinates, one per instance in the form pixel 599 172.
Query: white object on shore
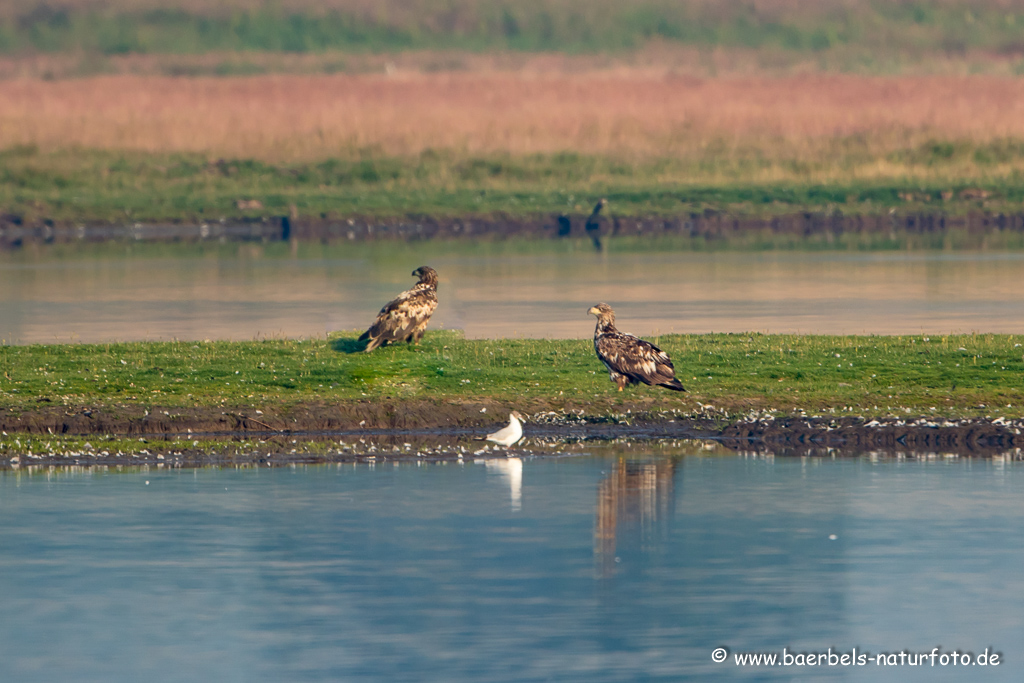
pixel 507 436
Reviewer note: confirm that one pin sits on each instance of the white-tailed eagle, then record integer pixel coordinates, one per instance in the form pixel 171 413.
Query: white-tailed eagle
pixel 405 317
pixel 630 359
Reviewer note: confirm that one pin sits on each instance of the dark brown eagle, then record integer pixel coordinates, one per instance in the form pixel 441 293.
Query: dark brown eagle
pixel 406 316
pixel 630 359
pixel 593 226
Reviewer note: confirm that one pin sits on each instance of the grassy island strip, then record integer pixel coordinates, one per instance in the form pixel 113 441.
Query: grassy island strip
pixel 277 383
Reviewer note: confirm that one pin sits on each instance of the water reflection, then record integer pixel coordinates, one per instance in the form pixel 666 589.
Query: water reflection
pixel 511 470
pixel 636 500
pixel 419 571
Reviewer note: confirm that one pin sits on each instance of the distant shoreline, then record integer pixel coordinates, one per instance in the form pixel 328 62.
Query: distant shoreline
pixel 458 146
pixel 709 226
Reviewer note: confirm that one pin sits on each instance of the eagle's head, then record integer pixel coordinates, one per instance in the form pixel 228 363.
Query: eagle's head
pixel 601 203
pixel 603 312
pixel 427 276
pixel 605 318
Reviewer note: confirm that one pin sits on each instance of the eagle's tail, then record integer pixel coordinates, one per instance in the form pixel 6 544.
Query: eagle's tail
pixel 364 336
pixel 674 385
pixel 374 342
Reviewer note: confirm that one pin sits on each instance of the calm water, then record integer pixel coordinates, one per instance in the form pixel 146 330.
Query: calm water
pixel 242 291
pixel 573 569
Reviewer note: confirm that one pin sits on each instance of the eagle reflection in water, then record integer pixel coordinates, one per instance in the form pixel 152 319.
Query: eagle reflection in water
pixel 635 500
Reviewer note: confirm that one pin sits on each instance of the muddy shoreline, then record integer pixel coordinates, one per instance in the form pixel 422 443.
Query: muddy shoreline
pixel 17 231
pixel 427 432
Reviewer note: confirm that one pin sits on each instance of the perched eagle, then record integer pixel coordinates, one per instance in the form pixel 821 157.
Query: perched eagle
pixel 406 316
pixel 593 224
pixel 630 359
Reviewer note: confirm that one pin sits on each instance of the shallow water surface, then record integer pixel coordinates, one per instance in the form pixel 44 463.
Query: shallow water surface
pixel 594 568
pixel 495 290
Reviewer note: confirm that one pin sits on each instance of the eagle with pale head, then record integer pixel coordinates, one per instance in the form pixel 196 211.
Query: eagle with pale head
pixel 405 317
pixel 629 359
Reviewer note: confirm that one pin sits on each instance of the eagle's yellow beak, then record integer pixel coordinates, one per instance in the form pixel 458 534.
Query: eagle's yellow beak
pixel 593 311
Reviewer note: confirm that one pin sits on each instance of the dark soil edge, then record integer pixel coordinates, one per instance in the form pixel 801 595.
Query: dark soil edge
pixel 428 431
pixel 17 231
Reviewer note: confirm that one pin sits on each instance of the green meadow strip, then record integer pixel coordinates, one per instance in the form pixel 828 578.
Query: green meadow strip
pixel 977 375
pixel 82 186
pixel 870 29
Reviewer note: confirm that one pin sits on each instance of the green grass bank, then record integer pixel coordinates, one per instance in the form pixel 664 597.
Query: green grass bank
pixel 976 375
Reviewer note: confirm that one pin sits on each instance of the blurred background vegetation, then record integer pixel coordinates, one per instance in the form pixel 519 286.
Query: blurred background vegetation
pixel 876 35
pixel 865 106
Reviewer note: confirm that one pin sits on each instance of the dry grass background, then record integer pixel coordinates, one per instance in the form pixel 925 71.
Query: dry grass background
pixel 629 112
pixel 111 110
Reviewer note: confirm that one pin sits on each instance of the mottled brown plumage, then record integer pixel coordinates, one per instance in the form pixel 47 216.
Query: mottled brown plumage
pixel 405 317
pixel 630 359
